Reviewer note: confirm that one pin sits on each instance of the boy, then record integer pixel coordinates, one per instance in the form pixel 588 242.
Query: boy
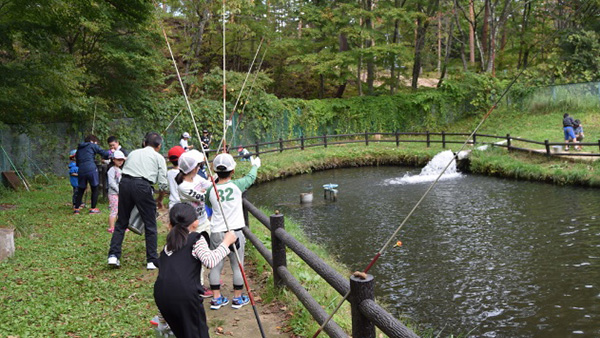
pixel 173 155
pixel 73 169
pixel 230 193
pixel 578 133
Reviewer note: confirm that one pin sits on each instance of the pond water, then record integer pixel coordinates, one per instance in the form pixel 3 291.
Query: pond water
pixel 485 256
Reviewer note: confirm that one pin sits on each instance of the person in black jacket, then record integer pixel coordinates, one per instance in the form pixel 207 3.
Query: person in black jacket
pixel 88 171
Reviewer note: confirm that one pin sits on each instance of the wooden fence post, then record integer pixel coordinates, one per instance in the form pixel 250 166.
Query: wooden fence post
pixel 366 138
pixel 397 139
pixel 428 139
pixel 257 151
pixel 280 145
pixel 474 139
pixel 7 243
pixel 547 147
pixel 325 140
pixel 277 248
pixel 301 142
pixel 508 141
pixel 360 290
pixel 245 210
pixel 444 139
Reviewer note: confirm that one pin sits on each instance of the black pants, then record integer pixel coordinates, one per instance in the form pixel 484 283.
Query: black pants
pixel 136 192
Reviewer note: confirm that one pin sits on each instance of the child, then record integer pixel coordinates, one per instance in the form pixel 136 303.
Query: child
pixel 230 193
pixel 173 155
pixel 184 142
pixel 114 177
pixel 191 189
pixel 176 288
pixel 244 154
pixel 73 169
pixel 578 133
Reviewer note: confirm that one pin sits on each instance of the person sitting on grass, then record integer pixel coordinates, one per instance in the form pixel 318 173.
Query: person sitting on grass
pixel 177 286
pixel 230 194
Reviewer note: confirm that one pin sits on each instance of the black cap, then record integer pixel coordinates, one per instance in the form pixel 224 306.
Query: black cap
pixel 205 131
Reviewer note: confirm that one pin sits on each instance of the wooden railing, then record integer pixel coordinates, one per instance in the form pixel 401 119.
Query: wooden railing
pixel 444 138
pixel 366 313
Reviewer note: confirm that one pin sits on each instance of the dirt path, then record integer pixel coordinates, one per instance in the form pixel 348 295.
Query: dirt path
pixel 242 322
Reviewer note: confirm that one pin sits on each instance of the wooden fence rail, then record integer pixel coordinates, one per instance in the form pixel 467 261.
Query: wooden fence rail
pixel 443 138
pixel 366 313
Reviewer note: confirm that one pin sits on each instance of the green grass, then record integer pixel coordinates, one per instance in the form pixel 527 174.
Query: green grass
pixel 58 283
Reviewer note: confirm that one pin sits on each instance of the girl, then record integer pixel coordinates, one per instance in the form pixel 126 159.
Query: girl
pixel 191 188
pixel 177 286
pixel 114 177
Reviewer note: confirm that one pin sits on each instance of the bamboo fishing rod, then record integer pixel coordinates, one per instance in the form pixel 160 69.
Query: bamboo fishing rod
pixel 214 184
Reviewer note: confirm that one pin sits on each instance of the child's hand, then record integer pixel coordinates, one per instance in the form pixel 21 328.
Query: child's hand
pixel 230 238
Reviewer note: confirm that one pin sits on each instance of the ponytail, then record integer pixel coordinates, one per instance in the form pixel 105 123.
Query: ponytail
pixel 180 216
pixel 179 177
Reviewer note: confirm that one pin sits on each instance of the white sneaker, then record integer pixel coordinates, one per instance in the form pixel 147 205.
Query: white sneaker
pixel 150 266
pixel 114 261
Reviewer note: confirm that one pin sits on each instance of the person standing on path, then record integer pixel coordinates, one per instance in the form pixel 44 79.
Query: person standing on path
pixel 144 167
pixel 205 139
pixel 230 194
pixel 184 141
pixel 88 171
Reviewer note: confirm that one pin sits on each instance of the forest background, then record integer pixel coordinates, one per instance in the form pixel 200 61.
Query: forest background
pixel 70 67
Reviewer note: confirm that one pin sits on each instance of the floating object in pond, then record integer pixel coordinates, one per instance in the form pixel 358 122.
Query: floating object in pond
pixel 399 243
pixel 330 189
pixel 306 197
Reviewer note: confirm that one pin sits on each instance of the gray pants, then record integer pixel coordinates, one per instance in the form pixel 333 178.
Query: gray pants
pixel 216 238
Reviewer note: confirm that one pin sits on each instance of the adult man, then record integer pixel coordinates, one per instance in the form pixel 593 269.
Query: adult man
pixel 144 167
pixel 569 131
pixel 205 139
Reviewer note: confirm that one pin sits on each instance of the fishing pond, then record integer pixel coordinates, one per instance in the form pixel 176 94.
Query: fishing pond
pixel 481 256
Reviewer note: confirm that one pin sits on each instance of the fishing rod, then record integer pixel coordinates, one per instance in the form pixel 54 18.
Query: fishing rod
pixel 245 101
pixel 224 139
pixel 214 184
pixel 408 216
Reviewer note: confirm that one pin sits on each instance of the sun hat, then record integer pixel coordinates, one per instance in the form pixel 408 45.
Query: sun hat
pixel 223 163
pixel 186 135
pixel 175 152
pixel 190 160
pixel 72 152
pixel 118 155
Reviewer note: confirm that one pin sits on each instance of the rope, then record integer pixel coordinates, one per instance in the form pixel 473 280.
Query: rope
pixel 212 179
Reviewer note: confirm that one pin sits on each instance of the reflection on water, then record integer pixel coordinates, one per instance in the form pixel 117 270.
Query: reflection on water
pixel 497 258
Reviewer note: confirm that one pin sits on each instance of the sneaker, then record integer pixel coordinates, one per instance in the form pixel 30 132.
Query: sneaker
pixel 94 211
pixel 240 301
pixel 114 261
pixel 75 211
pixel 110 230
pixel 150 266
pixel 207 293
pixel 154 321
pixel 216 303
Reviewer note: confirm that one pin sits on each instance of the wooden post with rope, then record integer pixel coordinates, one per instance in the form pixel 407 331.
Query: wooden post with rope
pixel 277 248
pixel 362 287
pixel 302 142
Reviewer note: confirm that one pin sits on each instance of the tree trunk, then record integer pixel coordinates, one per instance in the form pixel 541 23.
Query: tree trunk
pixel 471 32
pixel 420 42
pixel 485 32
pixel 343 40
pixel 462 38
pixel 369 44
pixel 523 48
pixel 448 48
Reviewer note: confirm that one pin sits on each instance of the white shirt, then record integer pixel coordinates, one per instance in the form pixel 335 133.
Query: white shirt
pixel 174 196
pixel 193 193
pixel 184 144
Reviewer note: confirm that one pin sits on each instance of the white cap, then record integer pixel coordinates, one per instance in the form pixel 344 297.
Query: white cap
pixel 190 160
pixel 224 162
pixel 118 155
pixel 186 135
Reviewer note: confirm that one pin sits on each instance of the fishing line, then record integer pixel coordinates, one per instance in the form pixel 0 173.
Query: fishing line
pixel 241 114
pixel 214 184
pixel 389 240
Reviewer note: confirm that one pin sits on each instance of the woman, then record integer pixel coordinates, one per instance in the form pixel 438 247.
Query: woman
pixel 177 289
